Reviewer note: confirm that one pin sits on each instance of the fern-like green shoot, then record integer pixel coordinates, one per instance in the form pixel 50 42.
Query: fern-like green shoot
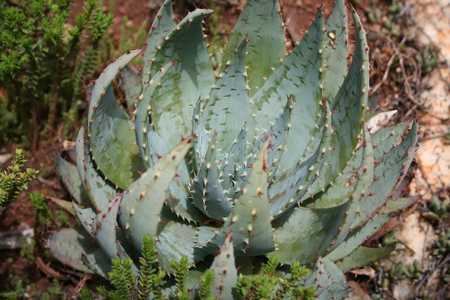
pixel 15 179
pixel 151 277
pixel 123 279
pixel 273 284
pixel 206 283
pixel 181 270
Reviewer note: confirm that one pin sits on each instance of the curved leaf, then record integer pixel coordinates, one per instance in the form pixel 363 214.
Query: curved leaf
pixel 162 25
pixel 141 205
pixel 78 251
pixel 112 141
pixel 250 219
pixel 306 234
pixel 70 177
pixel 260 22
pixel 191 78
pixel 362 256
pixel 227 108
pixel 225 272
pixel 334 58
pixel 297 78
pixel 175 241
pixel 329 281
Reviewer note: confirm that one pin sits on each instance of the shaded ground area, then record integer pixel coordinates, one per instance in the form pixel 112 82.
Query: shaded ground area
pixel 409 74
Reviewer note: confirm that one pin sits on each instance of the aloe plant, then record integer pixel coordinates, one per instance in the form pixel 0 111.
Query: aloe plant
pixel 266 155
